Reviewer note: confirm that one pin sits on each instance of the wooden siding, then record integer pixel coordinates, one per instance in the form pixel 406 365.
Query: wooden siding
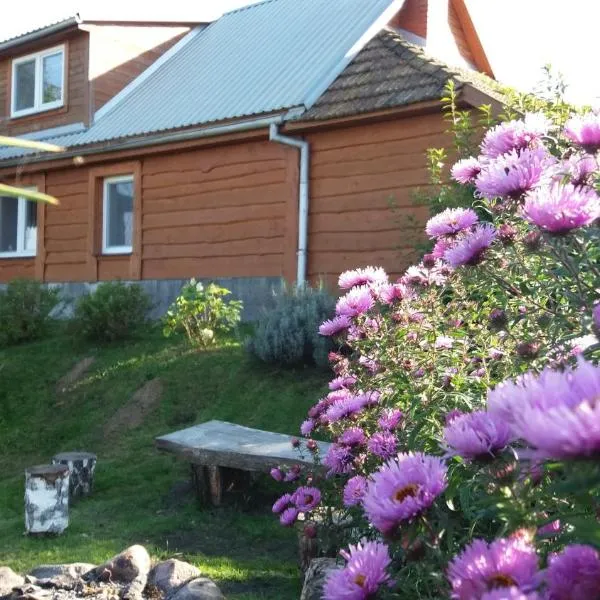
pixel 231 210
pixel 75 109
pixel 119 53
pixel 363 180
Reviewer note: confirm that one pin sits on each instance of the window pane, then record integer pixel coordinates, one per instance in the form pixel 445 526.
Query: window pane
pixel 30 226
pixel 9 214
pixel 120 214
pixel 53 74
pixel 25 85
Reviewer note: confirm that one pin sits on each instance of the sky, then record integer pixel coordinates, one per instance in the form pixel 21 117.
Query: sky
pixel 520 36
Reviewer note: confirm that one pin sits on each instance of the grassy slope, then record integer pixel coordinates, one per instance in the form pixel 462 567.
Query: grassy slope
pixel 141 496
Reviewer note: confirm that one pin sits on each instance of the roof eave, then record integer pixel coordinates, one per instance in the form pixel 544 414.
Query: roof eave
pixel 33 36
pixel 475 97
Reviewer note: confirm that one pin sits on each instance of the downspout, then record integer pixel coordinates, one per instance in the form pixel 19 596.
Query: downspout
pixel 303 197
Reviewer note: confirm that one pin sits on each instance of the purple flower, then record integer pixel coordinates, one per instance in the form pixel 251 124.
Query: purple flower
pixel 596 317
pixel 440 247
pixel 443 342
pixel 551 528
pixel 515 135
pixel 306 498
pixel 353 436
pixel 383 444
pixel 307 426
pixel 578 169
pixel 363 575
pixel 277 474
pixel 293 474
pixel 560 208
pixel 483 567
pixel 282 503
pixel 334 326
pixel 342 382
pixel 390 418
pixel 370 364
pixel 470 249
pixel 557 412
pixel 354 490
pixel 584 130
pixel 512 175
pixel 392 292
pixel 338 460
pixel 403 488
pixel 465 170
pixel 574 574
pixel 357 301
pixel 346 406
pixel 359 277
pixel 451 221
pixel 476 434
pixel 452 415
pixel 288 516
pixel 511 593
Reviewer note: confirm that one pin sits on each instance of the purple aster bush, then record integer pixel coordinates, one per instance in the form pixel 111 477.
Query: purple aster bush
pixel 476 435
pixel 511 593
pixel 466 170
pixel 578 169
pixel 515 135
pixel 584 130
pixel 307 426
pixel 339 460
pixel 403 488
pixel 342 382
pixel 469 250
pixel 390 419
pixel 282 503
pixel 360 277
pixel 481 568
pixel 450 222
pixel 354 490
pixel 574 574
pixel 511 175
pixel 288 517
pixel 557 413
pixel 353 436
pixel 560 208
pixel 365 572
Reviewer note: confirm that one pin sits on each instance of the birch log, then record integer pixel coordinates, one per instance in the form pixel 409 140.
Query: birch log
pixel 46 499
pixel 82 466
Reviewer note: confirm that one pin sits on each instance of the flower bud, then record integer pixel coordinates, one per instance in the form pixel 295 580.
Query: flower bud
pixel 295 442
pixel 528 350
pixel 532 241
pixel 277 474
pixel 498 318
pixel 312 446
pixel 310 531
pixel 429 261
pixel 507 233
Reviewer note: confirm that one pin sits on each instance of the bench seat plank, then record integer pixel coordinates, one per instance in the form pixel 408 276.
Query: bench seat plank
pixel 223 444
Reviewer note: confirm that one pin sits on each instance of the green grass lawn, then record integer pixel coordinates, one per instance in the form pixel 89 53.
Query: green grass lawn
pixel 142 496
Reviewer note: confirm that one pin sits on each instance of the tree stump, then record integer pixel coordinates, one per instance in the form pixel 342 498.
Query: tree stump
pixel 46 499
pixel 82 466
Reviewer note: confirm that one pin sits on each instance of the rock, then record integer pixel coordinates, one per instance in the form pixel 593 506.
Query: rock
pixel 315 577
pixel 168 576
pixel 201 588
pixel 71 570
pixel 8 580
pixel 131 564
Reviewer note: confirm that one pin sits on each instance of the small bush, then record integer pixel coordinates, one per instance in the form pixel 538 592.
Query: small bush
pixel 288 333
pixel 202 313
pixel 25 307
pixel 114 311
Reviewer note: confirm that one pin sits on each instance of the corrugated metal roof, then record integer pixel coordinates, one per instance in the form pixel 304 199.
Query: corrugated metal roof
pixel 259 59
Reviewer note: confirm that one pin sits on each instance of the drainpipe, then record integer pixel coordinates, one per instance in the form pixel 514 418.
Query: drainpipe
pixel 303 197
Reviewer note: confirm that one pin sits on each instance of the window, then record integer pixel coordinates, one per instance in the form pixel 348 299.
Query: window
pixel 38 82
pixel 18 227
pixel 117 212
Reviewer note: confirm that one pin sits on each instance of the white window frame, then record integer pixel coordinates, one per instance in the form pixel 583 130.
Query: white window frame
pixel 20 252
pixel 106 249
pixel 38 105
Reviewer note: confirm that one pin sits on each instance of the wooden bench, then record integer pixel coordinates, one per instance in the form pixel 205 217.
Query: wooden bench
pixel 221 453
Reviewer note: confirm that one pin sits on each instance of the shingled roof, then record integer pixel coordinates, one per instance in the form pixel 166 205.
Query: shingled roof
pixel 388 73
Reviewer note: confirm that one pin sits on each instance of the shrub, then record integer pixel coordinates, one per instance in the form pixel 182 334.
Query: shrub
pixel 288 333
pixel 25 307
pixel 202 313
pixel 465 406
pixel 114 311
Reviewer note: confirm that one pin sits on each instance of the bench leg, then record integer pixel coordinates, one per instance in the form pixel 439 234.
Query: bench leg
pixel 200 483
pixel 215 484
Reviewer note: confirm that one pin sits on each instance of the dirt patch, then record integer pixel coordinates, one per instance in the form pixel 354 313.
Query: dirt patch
pixel 132 414
pixel 75 374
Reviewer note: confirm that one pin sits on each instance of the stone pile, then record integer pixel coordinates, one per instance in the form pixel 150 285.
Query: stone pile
pixel 127 576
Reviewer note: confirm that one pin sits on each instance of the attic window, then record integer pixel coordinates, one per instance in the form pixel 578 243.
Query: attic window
pixel 38 82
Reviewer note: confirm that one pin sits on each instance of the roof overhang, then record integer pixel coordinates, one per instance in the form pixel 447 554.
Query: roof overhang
pixel 65 26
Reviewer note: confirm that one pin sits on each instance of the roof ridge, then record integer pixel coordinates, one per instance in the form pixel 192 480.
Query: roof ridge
pixel 247 7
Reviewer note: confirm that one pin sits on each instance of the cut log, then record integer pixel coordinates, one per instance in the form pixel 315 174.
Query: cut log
pixel 46 499
pixel 82 466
